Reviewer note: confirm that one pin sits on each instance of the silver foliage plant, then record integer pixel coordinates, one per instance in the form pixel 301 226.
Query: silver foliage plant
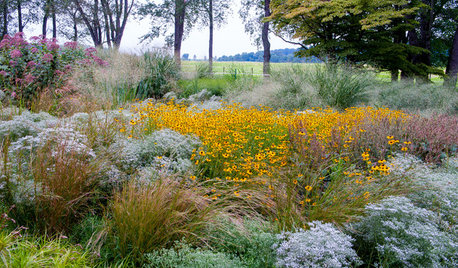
pixel 164 151
pixel 323 245
pixel 405 235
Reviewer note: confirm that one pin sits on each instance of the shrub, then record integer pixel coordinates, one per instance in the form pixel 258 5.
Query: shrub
pixel 321 246
pixel 183 256
pixel 252 241
pixel 27 69
pixel 415 97
pixel 165 150
pixel 340 86
pixel 401 234
pixel 161 74
pixel 151 217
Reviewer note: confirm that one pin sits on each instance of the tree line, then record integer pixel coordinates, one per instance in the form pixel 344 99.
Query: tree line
pixel 409 38
pixel 277 56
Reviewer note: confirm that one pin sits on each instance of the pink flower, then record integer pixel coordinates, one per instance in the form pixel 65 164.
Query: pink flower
pixel 15 53
pixel 48 57
pixel 53 46
pixel 13 63
pixel 28 79
pixel 31 64
pixel 13 94
pixel 34 50
pixel 3 73
pixel 59 72
pixel 71 45
pixel 68 67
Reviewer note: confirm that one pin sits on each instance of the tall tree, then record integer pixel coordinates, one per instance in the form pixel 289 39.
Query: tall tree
pixel 253 13
pixel 182 14
pixel 116 13
pixel 49 9
pixel 215 13
pixel 91 12
pixel 356 31
pixel 5 13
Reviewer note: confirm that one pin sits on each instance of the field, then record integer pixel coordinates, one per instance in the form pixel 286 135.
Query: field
pixel 128 161
pixel 255 68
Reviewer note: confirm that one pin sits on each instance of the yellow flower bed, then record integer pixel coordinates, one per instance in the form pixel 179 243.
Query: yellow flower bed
pixel 240 144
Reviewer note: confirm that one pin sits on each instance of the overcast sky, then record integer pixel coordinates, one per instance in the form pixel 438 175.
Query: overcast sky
pixel 229 39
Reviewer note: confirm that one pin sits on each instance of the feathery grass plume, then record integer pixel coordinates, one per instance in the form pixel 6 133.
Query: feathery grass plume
pixel 147 218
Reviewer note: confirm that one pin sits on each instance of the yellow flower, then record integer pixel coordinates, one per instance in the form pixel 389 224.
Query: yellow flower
pixel 308 188
pixel 390 137
pixel 404 149
pixel 237 193
pixel 202 153
pixel 193 178
pixel 295 181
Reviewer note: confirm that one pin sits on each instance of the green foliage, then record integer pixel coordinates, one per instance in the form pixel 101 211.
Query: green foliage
pixel 216 86
pixel 40 252
pixel 161 74
pixel 251 241
pixel 184 256
pixel 340 86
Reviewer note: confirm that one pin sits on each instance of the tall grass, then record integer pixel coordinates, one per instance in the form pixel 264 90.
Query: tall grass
pixel 148 218
pixel 161 72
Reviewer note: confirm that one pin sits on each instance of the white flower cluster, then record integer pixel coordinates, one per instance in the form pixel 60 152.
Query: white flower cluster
pixel 321 246
pixel 406 235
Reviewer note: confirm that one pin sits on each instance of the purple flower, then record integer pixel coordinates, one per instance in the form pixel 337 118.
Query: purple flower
pixel 28 79
pixel 15 53
pixel 34 50
pixel 3 73
pixel 13 94
pixel 68 67
pixel 47 57
pixel 13 63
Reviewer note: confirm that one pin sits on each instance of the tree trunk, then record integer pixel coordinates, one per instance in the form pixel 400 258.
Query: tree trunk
pixel 44 29
pixel 5 18
pixel 180 11
pixel 452 66
pixel 265 39
pixel 75 27
pixel 19 17
pixel 54 21
pixel 210 45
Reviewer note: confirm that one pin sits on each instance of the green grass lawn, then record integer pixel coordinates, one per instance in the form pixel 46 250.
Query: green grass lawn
pixel 255 68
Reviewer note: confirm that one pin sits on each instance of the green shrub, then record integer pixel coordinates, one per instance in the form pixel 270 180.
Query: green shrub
pixel 417 97
pixel 183 256
pixel 216 86
pixel 252 242
pixel 161 74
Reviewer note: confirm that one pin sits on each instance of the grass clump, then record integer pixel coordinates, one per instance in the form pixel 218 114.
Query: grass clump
pixel 149 218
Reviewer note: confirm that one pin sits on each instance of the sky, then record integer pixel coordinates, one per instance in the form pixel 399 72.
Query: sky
pixel 229 39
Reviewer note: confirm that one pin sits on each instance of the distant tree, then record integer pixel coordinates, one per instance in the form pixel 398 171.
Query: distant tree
pixel 185 56
pixel 5 16
pixel 253 14
pixel 215 13
pixel 182 14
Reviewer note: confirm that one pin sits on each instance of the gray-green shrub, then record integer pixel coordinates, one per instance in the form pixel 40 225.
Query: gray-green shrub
pixel 184 256
pixel 322 245
pixel 396 233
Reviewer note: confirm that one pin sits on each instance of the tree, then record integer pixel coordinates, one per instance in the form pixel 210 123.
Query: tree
pixel 116 13
pixel 5 15
pixel 49 9
pixel 27 11
pixel 182 14
pixel 91 13
pixel 355 31
pixel 214 14
pixel 253 13
pixel 452 66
